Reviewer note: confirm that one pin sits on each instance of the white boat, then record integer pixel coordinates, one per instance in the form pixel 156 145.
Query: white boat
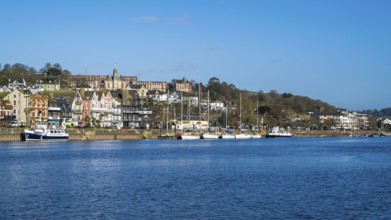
pixel 278 132
pixel 243 136
pixel 256 136
pixel 42 131
pixel 228 136
pixel 209 136
pixel 189 136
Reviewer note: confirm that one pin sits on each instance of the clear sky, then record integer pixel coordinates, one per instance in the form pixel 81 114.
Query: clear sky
pixel 334 50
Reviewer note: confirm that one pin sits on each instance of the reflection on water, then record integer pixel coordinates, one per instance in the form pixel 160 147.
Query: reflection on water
pixel 324 178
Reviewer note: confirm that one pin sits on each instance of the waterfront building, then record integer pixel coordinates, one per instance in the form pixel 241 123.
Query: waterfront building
pixel 65 111
pixel 118 97
pixel 54 110
pixel 135 115
pixel 191 122
pixel 345 120
pixel 38 108
pixel 101 108
pixel 6 114
pixel 20 104
pixel 386 124
pixel 77 110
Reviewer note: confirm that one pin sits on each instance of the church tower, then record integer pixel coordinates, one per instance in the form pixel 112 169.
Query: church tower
pixel 116 80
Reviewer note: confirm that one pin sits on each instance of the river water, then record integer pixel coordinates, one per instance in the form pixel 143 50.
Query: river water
pixel 297 178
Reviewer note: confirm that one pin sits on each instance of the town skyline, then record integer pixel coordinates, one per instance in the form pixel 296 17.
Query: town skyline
pixel 337 51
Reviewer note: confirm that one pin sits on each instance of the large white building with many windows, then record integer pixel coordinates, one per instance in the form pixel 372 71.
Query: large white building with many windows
pixel 345 120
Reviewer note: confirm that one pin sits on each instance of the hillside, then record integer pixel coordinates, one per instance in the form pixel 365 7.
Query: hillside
pixel 273 107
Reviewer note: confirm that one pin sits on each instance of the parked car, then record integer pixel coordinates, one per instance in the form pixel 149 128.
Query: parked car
pixel 13 124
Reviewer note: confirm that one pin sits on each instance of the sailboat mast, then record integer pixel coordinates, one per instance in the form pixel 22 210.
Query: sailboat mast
pixel 182 109
pixel 240 110
pixel 168 104
pixel 208 108
pixel 199 99
pixel 182 106
pixel 226 115
pixel 257 117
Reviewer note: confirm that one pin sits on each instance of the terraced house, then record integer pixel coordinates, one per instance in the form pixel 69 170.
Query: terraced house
pixel 38 108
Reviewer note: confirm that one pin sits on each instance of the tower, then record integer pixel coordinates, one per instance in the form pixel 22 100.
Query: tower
pixel 116 79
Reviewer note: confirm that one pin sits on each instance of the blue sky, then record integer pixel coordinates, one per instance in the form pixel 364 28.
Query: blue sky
pixel 337 51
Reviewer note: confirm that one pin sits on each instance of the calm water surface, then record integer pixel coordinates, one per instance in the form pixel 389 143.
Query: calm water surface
pixel 298 178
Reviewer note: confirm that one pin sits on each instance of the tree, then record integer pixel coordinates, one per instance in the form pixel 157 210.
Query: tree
pixel 287 95
pixel 27 112
pixel 329 123
pixel 53 72
pixel 213 80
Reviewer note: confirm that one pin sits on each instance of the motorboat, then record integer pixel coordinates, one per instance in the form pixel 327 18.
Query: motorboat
pixel 43 131
pixel 278 132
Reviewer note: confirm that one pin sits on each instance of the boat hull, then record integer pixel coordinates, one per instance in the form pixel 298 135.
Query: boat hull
pixel 278 136
pixel 242 136
pixel 277 132
pixel 210 136
pixel 29 136
pixel 188 137
pixel 228 136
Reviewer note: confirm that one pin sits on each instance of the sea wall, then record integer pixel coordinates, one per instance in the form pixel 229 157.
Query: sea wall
pixel 14 134
pixel 110 134
pixel 10 134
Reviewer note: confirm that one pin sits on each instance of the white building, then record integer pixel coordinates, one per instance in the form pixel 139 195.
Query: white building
pixel 218 106
pixel 346 120
pixel 20 103
pixel 36 89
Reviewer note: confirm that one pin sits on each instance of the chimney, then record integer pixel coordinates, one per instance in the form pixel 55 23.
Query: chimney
pixel 82 93
pixel 125 96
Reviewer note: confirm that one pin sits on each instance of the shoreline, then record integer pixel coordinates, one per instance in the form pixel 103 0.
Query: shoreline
pixel 76 134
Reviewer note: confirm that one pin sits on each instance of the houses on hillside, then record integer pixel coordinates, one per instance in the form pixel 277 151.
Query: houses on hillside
pixel 124 102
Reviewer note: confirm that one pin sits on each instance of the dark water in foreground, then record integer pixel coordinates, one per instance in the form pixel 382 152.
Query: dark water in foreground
pixel 303 178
